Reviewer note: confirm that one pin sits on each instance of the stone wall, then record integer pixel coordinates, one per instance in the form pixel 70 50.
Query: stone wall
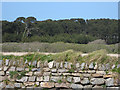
pixel 37 74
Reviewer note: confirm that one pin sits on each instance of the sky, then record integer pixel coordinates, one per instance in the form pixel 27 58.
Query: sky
pixel 59 10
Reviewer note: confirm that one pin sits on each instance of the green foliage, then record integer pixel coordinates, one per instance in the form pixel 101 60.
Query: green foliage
pixel 116 70
pixel 59 81
pixel 16 74
pixel 71 70
pixel 75 30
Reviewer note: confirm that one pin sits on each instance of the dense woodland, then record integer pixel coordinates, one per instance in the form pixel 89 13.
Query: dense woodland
pixel 76 30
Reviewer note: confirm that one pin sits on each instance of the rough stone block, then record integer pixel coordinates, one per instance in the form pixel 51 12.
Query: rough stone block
pixel 76 86
pixel 97 81
pixel 50 64
pixel 23 79
pixel 40 79
pixel 18 85
pixel 2 73
pixel 32 78
pixel 53 70
pixel 62 85
pixel 47 84
pixel 46 78
pixel 76 79
pixel 29 74
pixel 19 69
pixel 109 82
pixel 85 81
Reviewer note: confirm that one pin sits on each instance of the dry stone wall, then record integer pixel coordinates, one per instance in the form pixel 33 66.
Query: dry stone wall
pixel 52 74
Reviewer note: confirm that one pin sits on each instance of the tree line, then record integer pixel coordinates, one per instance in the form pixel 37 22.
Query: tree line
pixel 75 30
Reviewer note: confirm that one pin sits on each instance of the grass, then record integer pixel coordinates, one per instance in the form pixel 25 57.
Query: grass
pixel 99 56
pixel 57 47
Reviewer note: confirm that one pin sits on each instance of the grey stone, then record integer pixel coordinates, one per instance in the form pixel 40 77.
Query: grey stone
pixel 14 63
pixel 102 67
pixel 26 69
pixel 46 78
pixel 66 65
pixel 76 79
pixel 46 69
pixel 29 74
pixel 69 65
pixel 61 65
pixel 29 84
pixel 76 74
pixel 29 63
pixel 23 79
pixel 66 74
pixel 91 71
pixel 96 66
pixel 76 86
pixel 53 70
pixel 34 69
pixel 38 73
pixel 2 85
pixel 40 79
pixel 5 68
pixel 57 64
pixel 113 66
pixel 82 66
pixel 18 85
pixel 38 69
pixel 1 78
pixel 38 63
pixel 77 65
pixel 87 87
pixel 62 70
pixel 26 61
pixel 7 62
pixel 110 82
pixel 55 78
pixel 62 85
pixel 118 65
pixel 9 86
pixel 2 73
pixel 12 68
pixel 47 84
pixel 113 88
pixel 19 69
pixel 85 81
pixel 50 64
pixel 91 66
pixel 97 81
pixel 46 73
pixel 1 68
pixel 86 75
pixel 1 62
pixel 45 63
pixel 107 66
pixel 56 74
pixel 86 66
pixel 32 78
pixel 98 87
pixel 37 83
pixel 101 72
pixel 34 63
pixel 69 79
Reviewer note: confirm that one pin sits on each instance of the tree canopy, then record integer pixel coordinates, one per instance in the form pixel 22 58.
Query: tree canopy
pixel 75 30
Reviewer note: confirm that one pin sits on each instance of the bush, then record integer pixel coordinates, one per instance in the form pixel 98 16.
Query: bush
pixel 98 41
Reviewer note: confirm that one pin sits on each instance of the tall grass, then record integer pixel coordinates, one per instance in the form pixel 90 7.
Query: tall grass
pixel 56 47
